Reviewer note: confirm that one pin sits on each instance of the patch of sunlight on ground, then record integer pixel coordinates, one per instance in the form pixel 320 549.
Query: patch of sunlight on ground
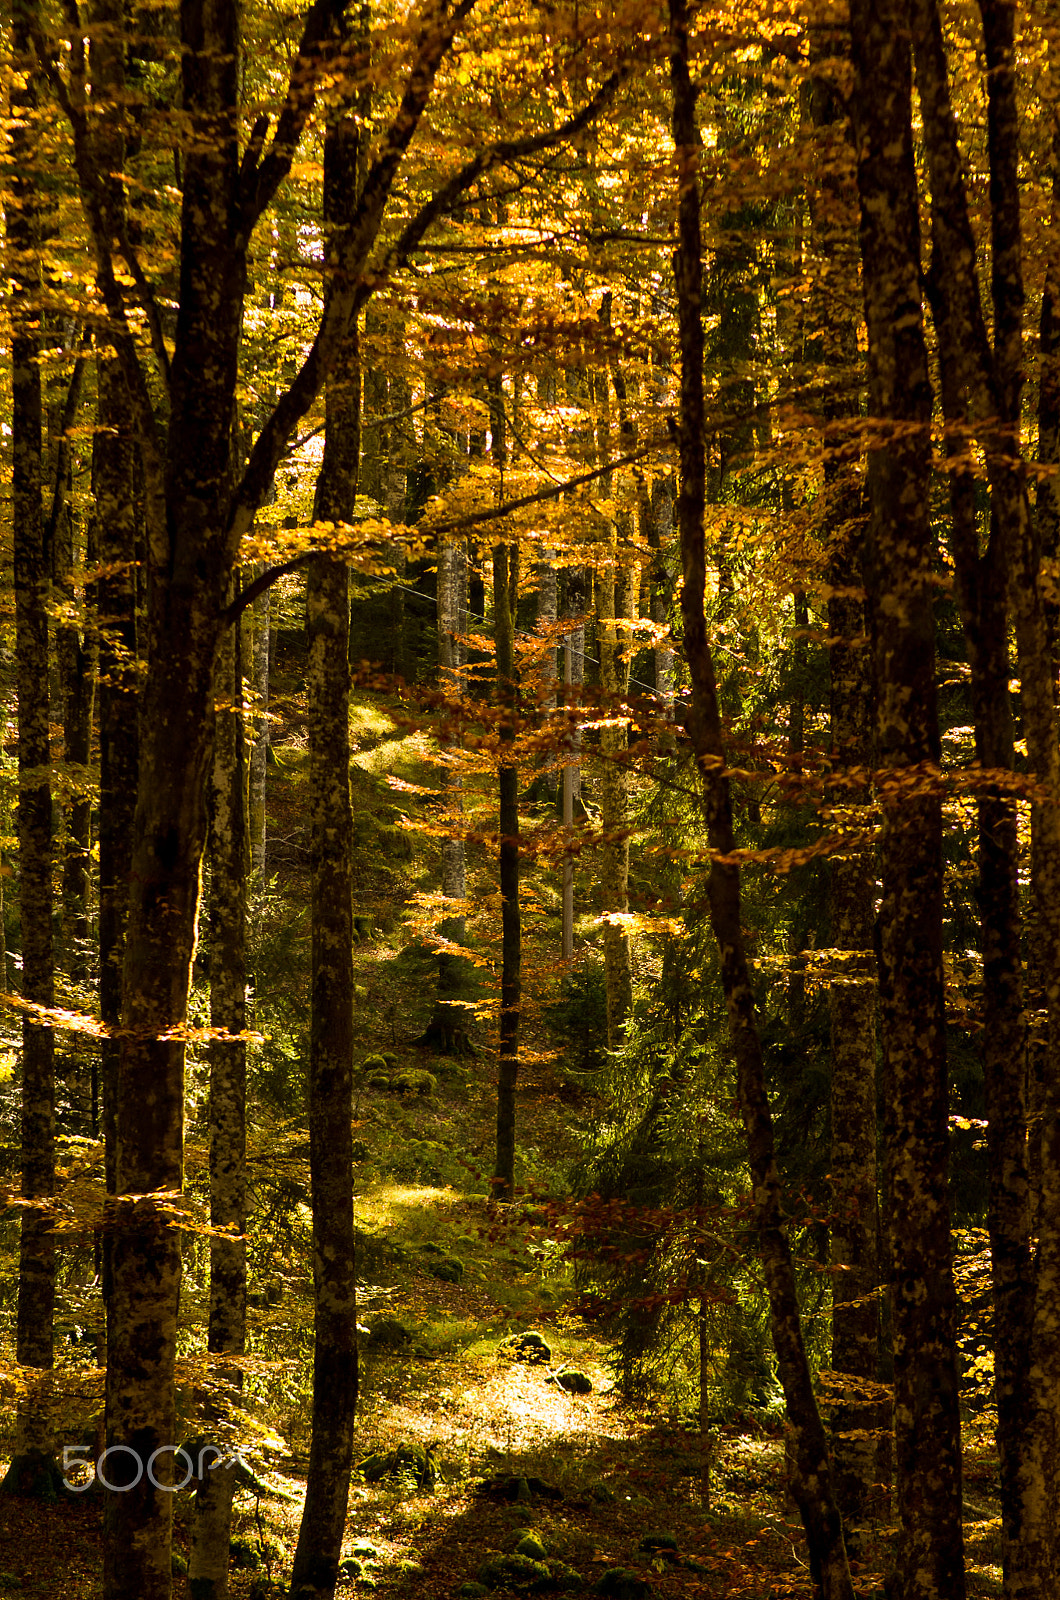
pixel 395 755
pixel 369 722
pixel 511 1410
pixel 392 1203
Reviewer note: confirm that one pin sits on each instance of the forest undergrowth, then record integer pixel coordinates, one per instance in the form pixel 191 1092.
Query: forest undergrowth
pixel 505 1481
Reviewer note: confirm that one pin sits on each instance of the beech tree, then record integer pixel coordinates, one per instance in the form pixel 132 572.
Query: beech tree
pixel 335 1369
pixel 36 1281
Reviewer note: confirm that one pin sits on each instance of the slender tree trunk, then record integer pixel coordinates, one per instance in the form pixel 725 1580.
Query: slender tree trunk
pixel 899 572
pixel 853 1241
pixel 612 592
pixel 448 1028
pixel 505 601
pixel 36 1274
pixel 228 840
pixel 852 1019
pixel 981 389
pixel 547 606
pixel 259 746
pixel 661 525
pixel 568 776
pixel 331 1041
pixel 573 678
pixel 115 541
pixel 982 592
pixel 813 1471
pixel 77 674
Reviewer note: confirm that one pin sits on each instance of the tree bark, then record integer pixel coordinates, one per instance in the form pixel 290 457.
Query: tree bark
pixel 259 746
pixel 617 590
pixel 853 1240
pixel 115 540
pixel 813 1471
pixel 448 1029
pixel 613 594
pixel 981 393
pixel 77 679
pixel 505 601
pixel 335 1371
pixel 228 844
pixel 899 575
pixel 36 1272
pixel 190 562
pixel 573 677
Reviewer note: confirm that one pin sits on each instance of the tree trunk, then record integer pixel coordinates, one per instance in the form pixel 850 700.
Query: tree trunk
pixel 448 1029
pixel 612 591
pixel 212 1522
pixel 573 678
pixel 567 780
pixel 545 671
pixel 36 1273
pixel 190 558
pixel 331 1040
pixel 854 1233
pixel 900 580
pixel 259 746
pixel 505 601
pixel 813 1473
pixel 115 540
pixel 77 674
pixel 661 525
pixel 981 388
pixel 853 1242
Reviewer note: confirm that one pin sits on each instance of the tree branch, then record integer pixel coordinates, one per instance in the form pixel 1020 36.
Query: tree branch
pixel 62 453
pixel 259 180
pixel 552 492
pixel 487 160
pixel 97 213
pixel 435 36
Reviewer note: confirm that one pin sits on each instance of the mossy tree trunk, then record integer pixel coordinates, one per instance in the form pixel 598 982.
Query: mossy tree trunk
pixel 36 1272
pixel 901 587
pixel 228 854
pixel 331 1032
pixel 115 538
pixel 982 377
pixel 861 1419
pixel 75 654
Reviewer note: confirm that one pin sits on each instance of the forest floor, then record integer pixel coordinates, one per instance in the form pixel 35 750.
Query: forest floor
pixel 446 1276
